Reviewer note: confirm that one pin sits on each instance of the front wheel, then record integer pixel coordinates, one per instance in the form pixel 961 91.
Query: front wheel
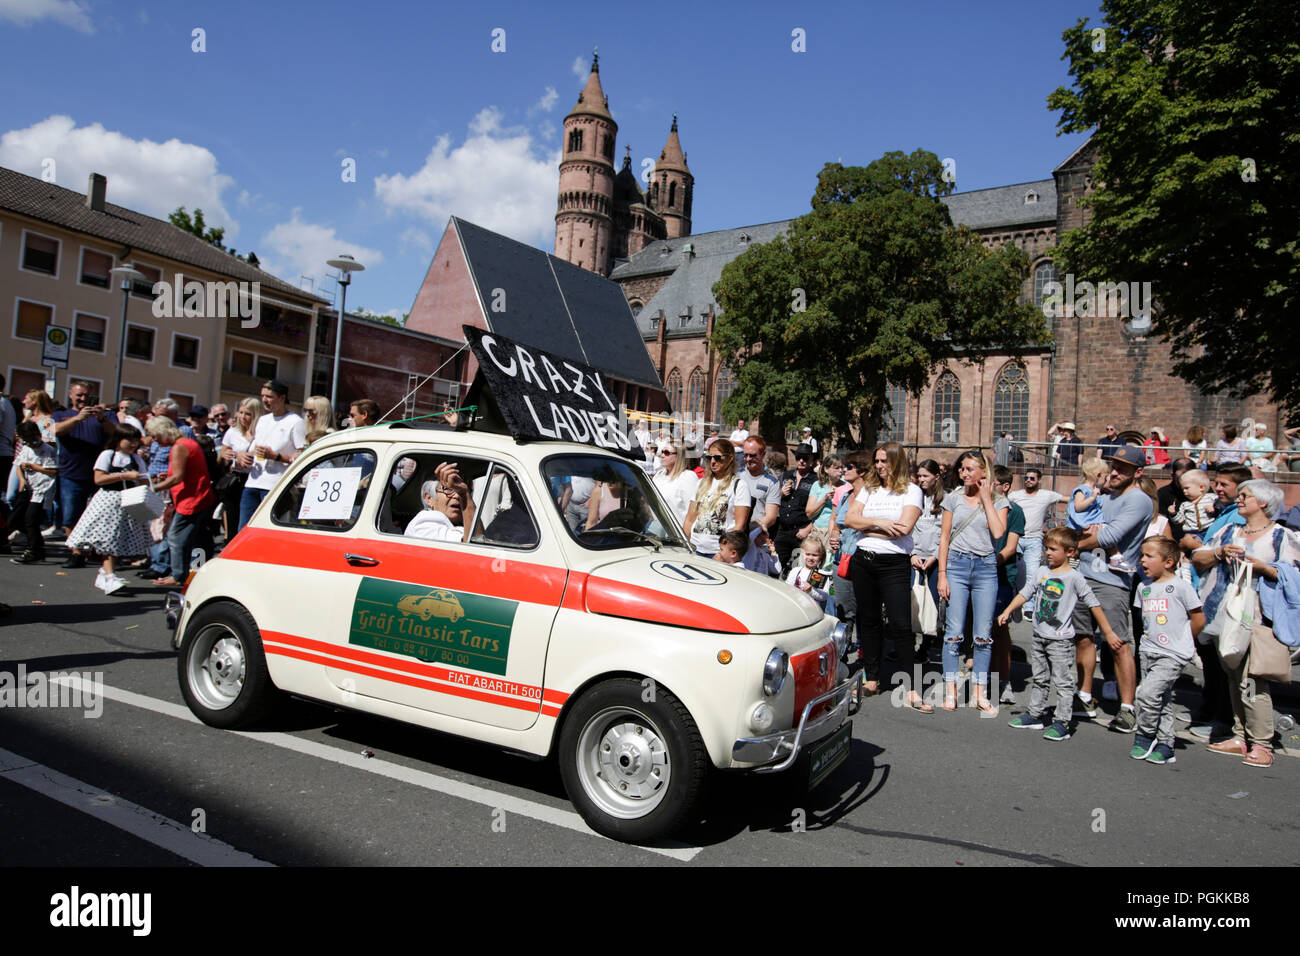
pixel 222 668
pixel 634 768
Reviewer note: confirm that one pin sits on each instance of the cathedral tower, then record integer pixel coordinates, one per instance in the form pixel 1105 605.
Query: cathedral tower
pixel 584 211
pixel 673 186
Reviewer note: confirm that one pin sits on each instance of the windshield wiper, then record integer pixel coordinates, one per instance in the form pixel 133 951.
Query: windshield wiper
pixel 655 540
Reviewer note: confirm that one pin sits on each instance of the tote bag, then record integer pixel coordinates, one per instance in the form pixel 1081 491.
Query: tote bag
pixel 1238 613
pixel 142 504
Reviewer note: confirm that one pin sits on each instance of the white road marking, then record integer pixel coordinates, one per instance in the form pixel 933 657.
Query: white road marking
pixel 420 778
pixel 111 809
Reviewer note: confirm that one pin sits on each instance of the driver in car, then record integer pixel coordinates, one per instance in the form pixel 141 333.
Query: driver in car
pixel 448 513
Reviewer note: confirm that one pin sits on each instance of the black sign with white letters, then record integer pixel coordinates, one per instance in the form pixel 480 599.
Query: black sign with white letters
pixel 542 396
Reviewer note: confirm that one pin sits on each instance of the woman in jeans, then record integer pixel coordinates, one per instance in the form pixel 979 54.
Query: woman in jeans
pixel 1263 543
pixel 968 573
pixel 885 511
pixel 925 540
pixel 192 496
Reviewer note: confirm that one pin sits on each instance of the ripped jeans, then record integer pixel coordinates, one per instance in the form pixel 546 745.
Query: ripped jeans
pixel 972 581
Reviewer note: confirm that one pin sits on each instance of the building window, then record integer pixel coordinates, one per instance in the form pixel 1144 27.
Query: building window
pixel 96 268
pixel 186 402
pixel 636 308
pixel 673 386
pixel 1031 197
pixel 32 320
pixel 672 195
pixel 144 288
pixel 947 410
pixel 241 363
pixel 726 385
pixel 22 381
pixel 185 351
pixel 139 343
pixel 40 254
pixel 88 332
pixel 1044 273
pixel 267 368
pixel 608 147
pixel 894 425
pixel 575 141
pixel 685 319
pixel 135 392
pixel 654 324
pixel 1011 402
pixel 695 394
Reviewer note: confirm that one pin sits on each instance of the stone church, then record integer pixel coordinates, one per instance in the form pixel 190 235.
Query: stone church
pixel 1097 370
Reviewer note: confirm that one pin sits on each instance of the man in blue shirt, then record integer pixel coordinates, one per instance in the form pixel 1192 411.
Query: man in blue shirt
pixel 82 429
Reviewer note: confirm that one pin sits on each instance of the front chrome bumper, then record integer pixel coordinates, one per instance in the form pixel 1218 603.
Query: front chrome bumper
pixel 788 743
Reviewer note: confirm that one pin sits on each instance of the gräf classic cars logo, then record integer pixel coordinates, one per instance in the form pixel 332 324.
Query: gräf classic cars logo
pixel 433 624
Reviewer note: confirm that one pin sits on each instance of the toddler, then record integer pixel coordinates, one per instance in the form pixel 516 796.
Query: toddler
pixel 761 556
pixel 1196 513
pixel 806 574
pixel 1171 619
pixel 1085 504
pixel 36 467
pixel 732 546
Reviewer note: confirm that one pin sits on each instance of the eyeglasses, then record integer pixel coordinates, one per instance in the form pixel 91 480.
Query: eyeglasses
pixel 749 457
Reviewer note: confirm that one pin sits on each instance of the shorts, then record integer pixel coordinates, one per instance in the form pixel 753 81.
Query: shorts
pixel 1115 604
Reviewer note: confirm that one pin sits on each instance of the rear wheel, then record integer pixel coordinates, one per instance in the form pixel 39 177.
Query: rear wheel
pixel 222 668
pixel 634 768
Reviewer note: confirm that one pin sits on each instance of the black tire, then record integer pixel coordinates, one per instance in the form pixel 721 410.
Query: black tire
pixel 654 768
pixel 222 668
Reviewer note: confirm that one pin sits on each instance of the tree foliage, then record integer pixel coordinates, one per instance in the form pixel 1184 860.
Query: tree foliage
pixel 874 287
pixel 212 235
pixel 1196 107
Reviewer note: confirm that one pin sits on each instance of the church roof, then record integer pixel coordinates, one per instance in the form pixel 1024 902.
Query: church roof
pixel 554 305
pixel 1004 205
pixel 592 98
pixel 671 156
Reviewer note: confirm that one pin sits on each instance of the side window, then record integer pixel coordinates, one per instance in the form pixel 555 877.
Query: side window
pixel 418 506
pixel 328 495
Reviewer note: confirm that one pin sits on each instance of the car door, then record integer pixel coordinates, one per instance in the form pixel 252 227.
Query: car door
pixel 450 626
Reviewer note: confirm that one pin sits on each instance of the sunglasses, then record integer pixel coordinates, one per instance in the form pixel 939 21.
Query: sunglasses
pixel 752 457
pixel 801 458
pixel 717 457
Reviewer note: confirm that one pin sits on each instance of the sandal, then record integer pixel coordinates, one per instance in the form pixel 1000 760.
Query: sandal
pixel 984 707
pixel 918 704
pixel 949 697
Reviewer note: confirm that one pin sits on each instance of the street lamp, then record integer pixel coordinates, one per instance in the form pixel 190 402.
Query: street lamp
pixel 346 265
pixel 126 275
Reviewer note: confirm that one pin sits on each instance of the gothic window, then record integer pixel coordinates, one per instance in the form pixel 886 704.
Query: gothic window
pixel 726 385
pixel 654 190
pixel 947 410
pixel 674 389
pixel 894 425
pixel 1011 402
pixel 672 195
pixel 686 201
pixel 695 394
pixel 607 147
pixel 1044 273
pixel 636 307
pixel 575 141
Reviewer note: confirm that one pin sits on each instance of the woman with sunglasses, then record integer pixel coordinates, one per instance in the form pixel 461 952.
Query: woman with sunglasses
pixel 722 502
pixel 319 417
pixel 675 481
pixel 885 511
pixel 973 520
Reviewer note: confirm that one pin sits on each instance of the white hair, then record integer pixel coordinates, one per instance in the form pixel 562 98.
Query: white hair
pixel 430 489
pixel 1269 495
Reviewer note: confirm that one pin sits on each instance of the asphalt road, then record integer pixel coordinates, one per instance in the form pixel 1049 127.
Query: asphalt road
pixel 145 784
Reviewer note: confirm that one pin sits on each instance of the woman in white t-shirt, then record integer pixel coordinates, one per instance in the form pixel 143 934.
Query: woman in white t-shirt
pixel 236 453
pixel 277 439
pixel 885 511
pixel 722 502
pixel 675 481
pixel 1195 447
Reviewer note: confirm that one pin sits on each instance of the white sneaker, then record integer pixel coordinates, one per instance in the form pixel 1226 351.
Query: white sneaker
pixel 1008 696
pixel 101 581
pixel 51 532
pixel 113 584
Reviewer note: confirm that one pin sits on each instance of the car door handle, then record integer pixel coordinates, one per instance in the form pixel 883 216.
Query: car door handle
pixel 361 561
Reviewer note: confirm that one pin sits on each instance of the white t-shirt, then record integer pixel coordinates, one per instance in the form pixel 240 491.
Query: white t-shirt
pixel 44 456
pixel 739 435
pixel 434 526
pixel 117 461
pixel 283 434
pixel 888 505
pixel 234 440
pixel 679 492
pixel 717 513
pixel 1035 507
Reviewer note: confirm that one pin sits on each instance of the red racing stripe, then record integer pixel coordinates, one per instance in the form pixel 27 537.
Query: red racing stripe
pixel 619 599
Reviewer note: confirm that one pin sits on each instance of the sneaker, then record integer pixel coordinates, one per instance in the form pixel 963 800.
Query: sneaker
pixel 1026 722
pixel 1232 746
pixel 1008 696
pixel 1085 708
pixel 1125 722
pixel 74 561
pixel 1142 747
pixel 1206 731
pixel 1162 755
pixel 101 581
pixel 149 574
pixel 1258 757
pixel 1057 732
pixel 27 557
pixel 112 584
pixel 52 532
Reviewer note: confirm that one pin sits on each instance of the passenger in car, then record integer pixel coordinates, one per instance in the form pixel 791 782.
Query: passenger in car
pixel 448 513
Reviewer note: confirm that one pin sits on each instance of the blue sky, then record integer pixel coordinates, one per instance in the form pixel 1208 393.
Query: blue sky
pixel 255 130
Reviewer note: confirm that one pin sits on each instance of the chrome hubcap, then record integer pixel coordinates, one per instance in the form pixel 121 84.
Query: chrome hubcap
pixel 217 667
pixel 623 763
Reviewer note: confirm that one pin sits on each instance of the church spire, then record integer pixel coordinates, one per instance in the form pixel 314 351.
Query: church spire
pixel 592 99
pixel 671 156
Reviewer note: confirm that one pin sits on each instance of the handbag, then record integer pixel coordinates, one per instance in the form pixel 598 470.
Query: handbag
pixel 925 612
pixel 842 569
pixel 142 504
pixel 229 482
pixel 1269 659
pixel 1238 613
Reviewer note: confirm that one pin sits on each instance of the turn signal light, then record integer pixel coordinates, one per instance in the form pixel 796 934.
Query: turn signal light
pixel 724 657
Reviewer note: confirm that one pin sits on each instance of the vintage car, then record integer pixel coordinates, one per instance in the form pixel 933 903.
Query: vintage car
pixel 611 647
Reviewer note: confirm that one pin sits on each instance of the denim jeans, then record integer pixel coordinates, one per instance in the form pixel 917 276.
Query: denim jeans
pixel 73 496
pixel 1031 550
pixel 973 582
pixel 248 502
pixel 181 536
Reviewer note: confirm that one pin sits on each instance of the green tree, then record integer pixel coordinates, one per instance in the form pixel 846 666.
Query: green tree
pixel 1196 108
pixel 383 317
pixel 209 234
pixel 873 287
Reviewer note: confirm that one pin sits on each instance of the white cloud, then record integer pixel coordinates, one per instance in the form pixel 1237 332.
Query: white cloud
pixel 153 178
pixel 296 248
pixel 418 238
pixel 579 67
pixel 546 103
pixel 493 179
pixel 71 13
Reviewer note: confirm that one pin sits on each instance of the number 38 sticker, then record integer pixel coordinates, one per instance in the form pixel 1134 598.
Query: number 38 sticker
pixel 330 493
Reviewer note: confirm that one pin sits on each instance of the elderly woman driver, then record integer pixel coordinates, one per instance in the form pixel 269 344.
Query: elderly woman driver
pixel 447 507
pixel 1263 543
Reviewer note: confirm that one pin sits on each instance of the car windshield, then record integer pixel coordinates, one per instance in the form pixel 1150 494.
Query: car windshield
pixel 609 503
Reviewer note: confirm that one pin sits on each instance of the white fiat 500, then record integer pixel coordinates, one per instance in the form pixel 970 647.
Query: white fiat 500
pixel 592 634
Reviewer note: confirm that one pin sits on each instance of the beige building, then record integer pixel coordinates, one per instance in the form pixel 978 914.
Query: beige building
pixel 230 327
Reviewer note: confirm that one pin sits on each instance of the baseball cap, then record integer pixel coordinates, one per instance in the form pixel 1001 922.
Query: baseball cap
pixel 1129 454
pixel 198 411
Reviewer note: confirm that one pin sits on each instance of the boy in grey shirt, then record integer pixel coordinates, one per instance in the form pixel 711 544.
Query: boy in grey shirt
pixel 1056 590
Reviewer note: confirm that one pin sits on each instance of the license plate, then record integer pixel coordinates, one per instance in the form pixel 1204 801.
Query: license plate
pixel 826 755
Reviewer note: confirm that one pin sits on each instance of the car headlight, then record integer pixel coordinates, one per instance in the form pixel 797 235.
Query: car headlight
pixel 843 637
pixel 778 662
pixel 762 718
